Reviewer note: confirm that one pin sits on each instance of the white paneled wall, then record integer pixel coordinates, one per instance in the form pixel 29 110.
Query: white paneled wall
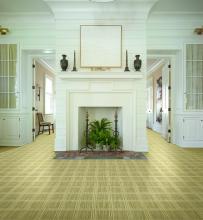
pixel 61 31
pixel 68 40
pixel 167 34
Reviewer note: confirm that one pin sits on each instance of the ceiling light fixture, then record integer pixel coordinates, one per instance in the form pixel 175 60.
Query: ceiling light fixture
pixel 48 51
pixel 3 31
pixel 102 1
pixel 199 31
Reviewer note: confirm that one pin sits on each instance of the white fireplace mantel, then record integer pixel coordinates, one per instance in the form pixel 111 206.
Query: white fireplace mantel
pixel 100 75
pixel 100 89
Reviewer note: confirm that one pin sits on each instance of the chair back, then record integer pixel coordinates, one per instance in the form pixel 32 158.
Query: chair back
pixel 40 117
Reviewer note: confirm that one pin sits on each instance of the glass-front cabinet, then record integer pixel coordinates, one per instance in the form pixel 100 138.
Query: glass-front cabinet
pixel 8 76
pixel 194 77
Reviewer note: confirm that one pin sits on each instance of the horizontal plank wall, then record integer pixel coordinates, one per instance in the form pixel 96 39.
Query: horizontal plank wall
pixel 167 35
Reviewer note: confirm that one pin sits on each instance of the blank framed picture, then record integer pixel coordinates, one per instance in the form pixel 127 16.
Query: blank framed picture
pixel 101 46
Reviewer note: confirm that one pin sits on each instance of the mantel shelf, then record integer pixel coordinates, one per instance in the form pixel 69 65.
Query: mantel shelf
pixel 100 75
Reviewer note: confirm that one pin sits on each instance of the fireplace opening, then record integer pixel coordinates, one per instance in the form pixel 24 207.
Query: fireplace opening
pixel 98 114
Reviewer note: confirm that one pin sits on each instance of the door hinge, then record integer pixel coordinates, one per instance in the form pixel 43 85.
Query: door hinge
pixel 33 109
pixel 183 137
pixel 169 66
pixel 19 119
pixel 169 109
pixel 19 136
pixel 33 130
pixel 183 120
pixel 169 87
pixel 33 87
pixel 169 130
pixel 33 65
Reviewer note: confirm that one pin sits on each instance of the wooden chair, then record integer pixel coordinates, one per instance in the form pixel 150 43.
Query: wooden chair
pixel 43 124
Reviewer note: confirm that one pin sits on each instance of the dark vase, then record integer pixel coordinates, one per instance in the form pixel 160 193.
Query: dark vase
pixel 137 63
pixel 64 63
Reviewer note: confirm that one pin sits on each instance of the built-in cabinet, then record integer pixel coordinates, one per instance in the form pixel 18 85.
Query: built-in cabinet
pixel 10 130
pixel 192 129
pixel 10 118
pixel 191 121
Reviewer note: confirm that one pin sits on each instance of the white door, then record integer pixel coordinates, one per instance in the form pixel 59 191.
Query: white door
pixel 150 107
pixel 33 100
pixel 166 108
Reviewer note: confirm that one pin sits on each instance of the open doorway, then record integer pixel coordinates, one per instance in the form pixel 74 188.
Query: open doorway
pixel 38 71
pixel 43 94
pixel 159 95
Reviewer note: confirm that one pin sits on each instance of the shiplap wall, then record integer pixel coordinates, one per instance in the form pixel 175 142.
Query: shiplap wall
pixel 167 34
pixel 68 36
pixel 68 40
pixel 30 31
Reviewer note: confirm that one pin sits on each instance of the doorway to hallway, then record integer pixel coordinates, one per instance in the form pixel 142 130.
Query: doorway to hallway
pixel 159 99
pixel 39 68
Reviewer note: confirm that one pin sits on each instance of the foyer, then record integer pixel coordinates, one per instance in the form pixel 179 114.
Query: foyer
pixel 169 185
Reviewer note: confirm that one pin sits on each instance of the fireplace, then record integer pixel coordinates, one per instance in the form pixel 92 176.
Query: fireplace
pixel 98 113
pixel 100 94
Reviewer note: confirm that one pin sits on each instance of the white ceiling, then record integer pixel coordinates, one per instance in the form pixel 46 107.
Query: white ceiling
pixel 17 6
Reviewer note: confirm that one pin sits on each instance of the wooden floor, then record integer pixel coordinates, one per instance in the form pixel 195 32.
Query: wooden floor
pixel 169 185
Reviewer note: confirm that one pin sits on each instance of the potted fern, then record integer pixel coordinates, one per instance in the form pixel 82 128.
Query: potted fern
pixel 100 133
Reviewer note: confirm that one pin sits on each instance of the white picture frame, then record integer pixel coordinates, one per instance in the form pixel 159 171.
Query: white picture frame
pixel 101 46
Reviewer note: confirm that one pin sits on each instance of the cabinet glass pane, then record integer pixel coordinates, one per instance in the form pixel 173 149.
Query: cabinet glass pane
pixel 12 84
pixel 12 52
pixel 4 68
pixel 12 100
pixel 194 101
pixel 8 72
pixel 194 77
pixel 194 68
pixel 3 100
pixel 194 52
pixel 194 85
pixel 189 52
pixel 12 68
pixel 3 51
pixel 4 84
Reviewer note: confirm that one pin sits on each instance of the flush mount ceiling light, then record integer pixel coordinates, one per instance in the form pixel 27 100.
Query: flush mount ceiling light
pixel 3 31
pixel 199 31
pixel 48 51
pixel 102 1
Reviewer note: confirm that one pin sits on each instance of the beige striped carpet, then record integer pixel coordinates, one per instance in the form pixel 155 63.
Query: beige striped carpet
pixel 169 185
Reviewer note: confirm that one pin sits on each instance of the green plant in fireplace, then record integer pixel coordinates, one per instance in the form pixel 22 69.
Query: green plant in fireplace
pixel 101 135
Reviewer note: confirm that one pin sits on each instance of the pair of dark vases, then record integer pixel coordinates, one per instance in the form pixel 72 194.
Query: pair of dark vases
pixel 64 63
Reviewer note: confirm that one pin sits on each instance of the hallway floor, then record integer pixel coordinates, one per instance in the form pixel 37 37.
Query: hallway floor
pixel 169 185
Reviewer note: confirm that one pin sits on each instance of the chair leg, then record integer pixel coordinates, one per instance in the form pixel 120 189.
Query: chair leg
pixel 49 129
pixel 53 128
pixel 42 129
